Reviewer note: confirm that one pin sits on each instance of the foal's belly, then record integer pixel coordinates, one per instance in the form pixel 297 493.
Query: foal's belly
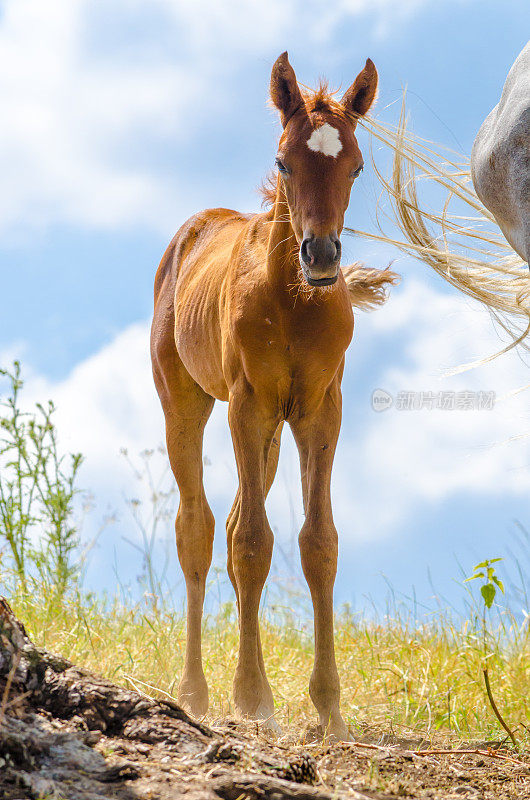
pixel 197 332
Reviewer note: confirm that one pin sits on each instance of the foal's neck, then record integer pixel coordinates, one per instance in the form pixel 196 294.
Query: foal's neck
pixel 282 249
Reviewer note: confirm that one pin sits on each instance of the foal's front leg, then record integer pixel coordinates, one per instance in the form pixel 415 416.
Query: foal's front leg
pixel 316 436
pixel 251 547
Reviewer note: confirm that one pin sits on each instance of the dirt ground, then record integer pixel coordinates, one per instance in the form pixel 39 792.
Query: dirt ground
pixel 65 733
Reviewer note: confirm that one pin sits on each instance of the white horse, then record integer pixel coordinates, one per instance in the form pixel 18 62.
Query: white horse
pixel 500 158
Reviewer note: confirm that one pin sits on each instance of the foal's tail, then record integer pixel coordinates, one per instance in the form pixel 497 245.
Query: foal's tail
pixel 368 287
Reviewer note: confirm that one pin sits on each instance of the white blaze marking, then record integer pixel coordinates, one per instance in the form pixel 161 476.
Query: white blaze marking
pixel 325 140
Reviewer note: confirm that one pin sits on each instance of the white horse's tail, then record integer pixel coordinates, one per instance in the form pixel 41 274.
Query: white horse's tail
pixel 466 249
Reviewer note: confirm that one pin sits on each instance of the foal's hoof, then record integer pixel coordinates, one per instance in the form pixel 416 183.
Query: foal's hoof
pixel 266 722
pixel 192 695
pixel 263 723
pixel 263 718
pixel 335 731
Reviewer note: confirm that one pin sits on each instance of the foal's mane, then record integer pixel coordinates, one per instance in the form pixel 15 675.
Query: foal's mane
pixel 316 101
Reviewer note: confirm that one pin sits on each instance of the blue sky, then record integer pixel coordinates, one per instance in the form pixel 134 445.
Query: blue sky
pixel 119 121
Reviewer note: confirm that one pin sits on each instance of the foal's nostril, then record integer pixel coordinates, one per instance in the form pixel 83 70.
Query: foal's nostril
pixel 320 252
pixel 307 257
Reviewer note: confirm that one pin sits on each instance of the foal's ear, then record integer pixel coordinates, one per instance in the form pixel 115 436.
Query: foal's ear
pixel 361 94
pixel 285 93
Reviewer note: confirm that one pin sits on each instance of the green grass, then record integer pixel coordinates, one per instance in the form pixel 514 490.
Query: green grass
pixel 394 674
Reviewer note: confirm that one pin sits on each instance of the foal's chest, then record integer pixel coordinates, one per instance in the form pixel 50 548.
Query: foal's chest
pixel 293 355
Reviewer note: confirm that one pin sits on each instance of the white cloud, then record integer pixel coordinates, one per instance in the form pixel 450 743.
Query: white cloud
pixel 407 458
pixel 88 94
pixel 385 14
pixel 65 119
pixel 108 402
pixel 388 464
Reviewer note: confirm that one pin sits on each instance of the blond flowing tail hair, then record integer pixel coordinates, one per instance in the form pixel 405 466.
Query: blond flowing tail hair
pixel 467 250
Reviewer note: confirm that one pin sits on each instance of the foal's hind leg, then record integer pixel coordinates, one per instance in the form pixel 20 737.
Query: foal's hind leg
pixel 272 465
pixel 187 408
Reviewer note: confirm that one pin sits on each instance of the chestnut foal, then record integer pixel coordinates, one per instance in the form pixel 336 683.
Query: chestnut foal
pixel 240 315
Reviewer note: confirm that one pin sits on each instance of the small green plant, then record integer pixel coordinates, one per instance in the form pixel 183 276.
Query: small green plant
pixel 490 581
pixel 37 490
pixel 486 572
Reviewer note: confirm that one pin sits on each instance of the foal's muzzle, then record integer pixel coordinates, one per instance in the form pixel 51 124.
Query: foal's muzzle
pixel 320 259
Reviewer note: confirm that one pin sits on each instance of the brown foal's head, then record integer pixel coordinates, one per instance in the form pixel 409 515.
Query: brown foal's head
pixel 318 160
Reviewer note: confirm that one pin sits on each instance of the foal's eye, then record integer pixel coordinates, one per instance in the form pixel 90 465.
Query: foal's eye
pixel 281 166
pixel 357 172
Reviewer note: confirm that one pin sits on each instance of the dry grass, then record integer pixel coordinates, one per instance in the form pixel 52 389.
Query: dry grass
pixel 394 675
